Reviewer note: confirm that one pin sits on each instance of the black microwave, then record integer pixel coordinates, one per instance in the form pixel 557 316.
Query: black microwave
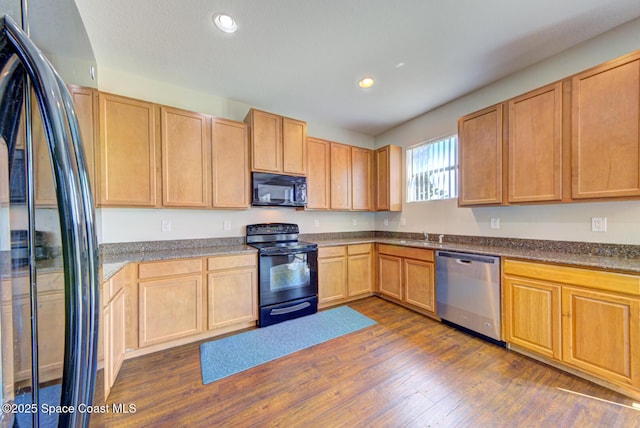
pixel 276 190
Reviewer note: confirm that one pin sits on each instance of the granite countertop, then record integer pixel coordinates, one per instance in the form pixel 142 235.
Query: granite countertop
pixel 112 262
pixel 626 264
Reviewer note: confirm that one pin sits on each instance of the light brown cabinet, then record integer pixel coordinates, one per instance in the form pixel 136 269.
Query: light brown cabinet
pixel 186 158
pixel 535 145
pixel 344 273
pixel 605 130
pixel 480 139
pixel 388 178
pixel 586 319
pixel 407 275
pixel 170 300
pixel 51 321
pixel 85 102
pixel 341 172
pixel 230 164
pixel 532 315
pixel 129 151
pixel 318 174
pixel 361 179
pixel 114 325
pixel 232 284
pixel 278 144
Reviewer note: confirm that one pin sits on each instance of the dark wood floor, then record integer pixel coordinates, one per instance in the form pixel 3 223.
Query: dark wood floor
pixel 406 371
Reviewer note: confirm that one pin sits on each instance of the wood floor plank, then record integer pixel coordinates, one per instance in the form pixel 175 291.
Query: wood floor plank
pixel 407 370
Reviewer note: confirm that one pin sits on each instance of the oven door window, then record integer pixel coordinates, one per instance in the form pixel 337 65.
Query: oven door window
pixel 287 277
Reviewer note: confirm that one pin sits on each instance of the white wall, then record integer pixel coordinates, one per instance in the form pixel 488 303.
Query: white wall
pixel 558 221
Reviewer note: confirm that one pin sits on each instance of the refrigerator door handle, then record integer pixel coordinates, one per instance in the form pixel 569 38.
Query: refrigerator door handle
pixel 75 207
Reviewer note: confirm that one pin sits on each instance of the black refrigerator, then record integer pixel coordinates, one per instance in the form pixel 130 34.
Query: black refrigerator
pixel 48 250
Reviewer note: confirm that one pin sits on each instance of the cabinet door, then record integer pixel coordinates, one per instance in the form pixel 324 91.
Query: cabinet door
pixel 332 274
pixel 390 275
pixel 340 176
pixel 318 175
pixel 419 282
pixel 185 158
pixel 266 141
pixel 602 334
pixel 532 315
pixel 232 297
pixel 45 191
pixel 480 141
pixel 170 308
pixel 231 180
pixel 605 130
pixel 294 146
pixel 129 151
pixel 85 103
pixel 535 145
pixel 360 273
pixel 114 334
pixel 388 181
pixel 361 179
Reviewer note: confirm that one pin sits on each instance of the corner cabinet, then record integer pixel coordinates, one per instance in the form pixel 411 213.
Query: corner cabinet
pixel 278 144
pixel 129 151
pixel 407 276
pixel 345 273
pixel 388 178
pixel 585 319
pixel 361 179
pixel 605 130
pixel 480 147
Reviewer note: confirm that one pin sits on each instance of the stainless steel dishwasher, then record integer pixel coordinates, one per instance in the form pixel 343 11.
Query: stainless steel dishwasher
pixel 468 292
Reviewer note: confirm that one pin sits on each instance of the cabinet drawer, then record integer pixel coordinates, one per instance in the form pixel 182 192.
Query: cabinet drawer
pixel 331 251
pixel 606 281
pixel 359 249
pixel 118 281
pixel 231 262
pixel 406 252
pixel 169 268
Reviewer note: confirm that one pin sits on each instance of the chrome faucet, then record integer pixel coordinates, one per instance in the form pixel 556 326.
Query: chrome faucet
pixel 440 237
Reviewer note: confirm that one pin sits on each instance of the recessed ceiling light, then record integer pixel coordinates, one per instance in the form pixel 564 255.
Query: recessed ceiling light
pixel 225 23
pixel 366 82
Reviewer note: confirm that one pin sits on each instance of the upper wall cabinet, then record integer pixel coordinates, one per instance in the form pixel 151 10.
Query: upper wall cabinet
pixel 605 138
pixel 361 179
pixel 230 161
pixel 186 158
pixel 388 178
pixel 481 139
pixel 318 174
pixel 129 151
pixel 278 144
pixel 535 145
pixel 340 177
pixel 85 101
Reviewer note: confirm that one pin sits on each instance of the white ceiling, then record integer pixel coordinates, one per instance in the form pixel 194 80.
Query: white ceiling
pixel 302 58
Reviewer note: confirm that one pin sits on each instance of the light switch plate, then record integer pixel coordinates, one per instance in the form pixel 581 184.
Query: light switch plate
pixel 495 222
pixel 226 225
pixel 165 225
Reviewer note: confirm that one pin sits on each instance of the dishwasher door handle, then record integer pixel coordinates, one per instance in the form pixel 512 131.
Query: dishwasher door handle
pixel 463 261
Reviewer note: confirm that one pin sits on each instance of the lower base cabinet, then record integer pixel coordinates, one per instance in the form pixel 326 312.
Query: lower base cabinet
pixel 113 325
pixel 585 319
pixel 407 275
pixel 345 273
pixel 170 300
pixel 232 290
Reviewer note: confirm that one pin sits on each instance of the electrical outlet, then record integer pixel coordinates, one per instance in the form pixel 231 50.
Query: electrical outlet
pixel 316 223
pixel 165 225
pixel 403 221
pixel 598 224
pixel 385 222
pixel 495 222
pixel 226 225
pixel 354 222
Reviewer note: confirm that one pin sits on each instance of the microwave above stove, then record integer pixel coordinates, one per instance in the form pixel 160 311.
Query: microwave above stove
pixel 276 190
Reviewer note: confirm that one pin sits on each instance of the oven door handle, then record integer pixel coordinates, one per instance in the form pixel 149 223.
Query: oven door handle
pixel 286 253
